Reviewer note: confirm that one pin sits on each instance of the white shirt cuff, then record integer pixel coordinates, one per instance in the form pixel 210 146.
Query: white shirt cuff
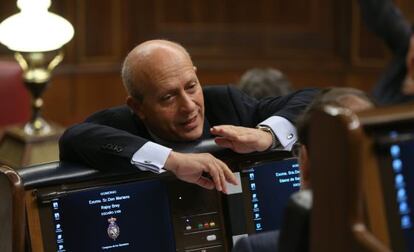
pixel 151 157
pixel 284 130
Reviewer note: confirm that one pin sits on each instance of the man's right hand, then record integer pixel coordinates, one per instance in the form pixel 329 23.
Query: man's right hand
pixel 189 167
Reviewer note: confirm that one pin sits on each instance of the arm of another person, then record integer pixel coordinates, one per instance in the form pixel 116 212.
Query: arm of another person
pixel 384 19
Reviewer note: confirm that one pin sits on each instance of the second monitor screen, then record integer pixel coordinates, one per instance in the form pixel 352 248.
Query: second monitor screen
pixel 270 186
pixel 396 161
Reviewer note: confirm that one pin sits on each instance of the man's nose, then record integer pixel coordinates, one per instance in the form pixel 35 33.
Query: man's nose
pixel 187 103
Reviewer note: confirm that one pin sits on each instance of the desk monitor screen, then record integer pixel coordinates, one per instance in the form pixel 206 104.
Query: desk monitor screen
pixel 269 186
pixel 126 217
pixel 396 163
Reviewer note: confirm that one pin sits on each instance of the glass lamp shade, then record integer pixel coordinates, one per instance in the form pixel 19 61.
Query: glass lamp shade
pixel 34 28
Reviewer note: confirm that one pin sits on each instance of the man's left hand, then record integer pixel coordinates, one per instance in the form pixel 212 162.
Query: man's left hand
pixel 242 139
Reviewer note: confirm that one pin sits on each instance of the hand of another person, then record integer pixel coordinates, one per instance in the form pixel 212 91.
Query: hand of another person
pixel 242 139
pixel 189 167
pixel 408 85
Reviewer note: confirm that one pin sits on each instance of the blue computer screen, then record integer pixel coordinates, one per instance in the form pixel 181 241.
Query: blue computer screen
pixel 401 160
pixel 127 217
pixel 270 185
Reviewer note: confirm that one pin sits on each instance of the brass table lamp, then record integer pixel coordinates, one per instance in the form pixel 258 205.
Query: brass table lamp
pixel 36 35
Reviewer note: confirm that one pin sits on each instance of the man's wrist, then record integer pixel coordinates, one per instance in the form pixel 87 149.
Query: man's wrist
pixel 268 130
pixel 171 162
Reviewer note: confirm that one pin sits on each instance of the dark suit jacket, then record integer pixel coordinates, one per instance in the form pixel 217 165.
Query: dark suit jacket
pixel 108 139
pixel 262 242
pixel 385 19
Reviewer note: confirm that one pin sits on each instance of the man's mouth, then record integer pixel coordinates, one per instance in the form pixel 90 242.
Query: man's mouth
pixel 190 123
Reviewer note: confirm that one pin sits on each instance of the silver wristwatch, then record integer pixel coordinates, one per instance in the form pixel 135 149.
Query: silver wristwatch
pixel 269 130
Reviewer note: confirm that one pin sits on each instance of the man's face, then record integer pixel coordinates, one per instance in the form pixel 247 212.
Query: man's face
pixel 173 105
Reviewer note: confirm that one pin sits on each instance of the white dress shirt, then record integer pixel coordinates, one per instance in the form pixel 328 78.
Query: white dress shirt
pixel 152 156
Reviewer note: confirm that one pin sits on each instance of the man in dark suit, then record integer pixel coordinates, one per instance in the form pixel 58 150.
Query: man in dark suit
pixel 396 84
pixel 166 106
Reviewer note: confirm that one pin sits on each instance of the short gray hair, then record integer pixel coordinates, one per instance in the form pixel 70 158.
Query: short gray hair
pixel 263 82
pixel 328 96
pixel 127 74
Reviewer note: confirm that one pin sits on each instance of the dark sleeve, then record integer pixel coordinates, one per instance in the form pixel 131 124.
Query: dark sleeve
pixel 102 142
pixel 242 245
pixel 384 19
pixel 288 106
pixel 264 242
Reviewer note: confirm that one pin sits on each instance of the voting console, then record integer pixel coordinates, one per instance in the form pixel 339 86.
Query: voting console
pixel 69 207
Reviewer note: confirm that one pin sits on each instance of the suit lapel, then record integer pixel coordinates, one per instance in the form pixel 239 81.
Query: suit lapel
pixel 206 130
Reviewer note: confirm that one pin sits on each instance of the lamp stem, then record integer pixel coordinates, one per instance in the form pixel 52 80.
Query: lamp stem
pixel 37 68
pixel 37 125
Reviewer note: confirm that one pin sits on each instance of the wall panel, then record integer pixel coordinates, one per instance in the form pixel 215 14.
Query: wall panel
pixel 316 42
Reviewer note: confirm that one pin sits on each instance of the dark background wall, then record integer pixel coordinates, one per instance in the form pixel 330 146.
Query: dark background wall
pixel 315 42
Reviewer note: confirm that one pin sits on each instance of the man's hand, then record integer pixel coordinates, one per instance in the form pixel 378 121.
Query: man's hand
pixel 190 167
pixel 242 139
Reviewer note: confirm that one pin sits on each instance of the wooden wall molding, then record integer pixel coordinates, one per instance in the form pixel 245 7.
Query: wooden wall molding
pixel 99 35
pixel 316 42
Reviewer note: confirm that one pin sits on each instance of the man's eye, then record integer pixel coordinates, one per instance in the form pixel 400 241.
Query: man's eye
pixel 166 97
pixel 192 86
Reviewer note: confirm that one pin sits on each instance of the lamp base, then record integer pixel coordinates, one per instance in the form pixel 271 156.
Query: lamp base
pixel 18 149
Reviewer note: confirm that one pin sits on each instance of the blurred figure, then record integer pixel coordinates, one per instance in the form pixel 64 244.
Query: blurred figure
pixel 396 84
pixel 350 98
pixel 345 97
pixel 264 82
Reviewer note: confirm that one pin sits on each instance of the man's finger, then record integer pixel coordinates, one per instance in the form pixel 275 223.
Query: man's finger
pixel 223 142
pixel 216 177
pixel 205 183
pixel 222 180
pixel 229 175
pixel 224 131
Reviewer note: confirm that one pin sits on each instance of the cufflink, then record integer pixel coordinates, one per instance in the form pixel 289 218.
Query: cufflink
pixel 290 136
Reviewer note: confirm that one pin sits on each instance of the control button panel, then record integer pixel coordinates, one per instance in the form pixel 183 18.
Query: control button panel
pixel 197 218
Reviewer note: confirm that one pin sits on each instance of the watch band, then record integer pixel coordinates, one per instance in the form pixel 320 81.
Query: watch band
pixel 269 130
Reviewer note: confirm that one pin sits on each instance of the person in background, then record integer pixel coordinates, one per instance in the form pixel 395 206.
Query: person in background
pixel 396 85
pixel 350 98
pixel 264 82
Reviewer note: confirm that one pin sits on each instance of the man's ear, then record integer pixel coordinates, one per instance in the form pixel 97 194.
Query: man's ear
pixel 304 167
pixel 195 69
pixel 135 106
